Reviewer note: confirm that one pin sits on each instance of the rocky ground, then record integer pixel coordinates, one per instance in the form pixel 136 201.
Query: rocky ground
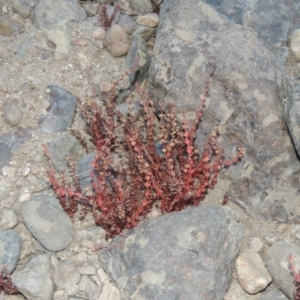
pixel 28 65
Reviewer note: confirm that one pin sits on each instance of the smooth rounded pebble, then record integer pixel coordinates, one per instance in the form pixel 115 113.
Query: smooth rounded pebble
pixel 47 222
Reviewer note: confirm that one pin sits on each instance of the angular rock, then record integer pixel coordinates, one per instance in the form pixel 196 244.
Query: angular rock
pixel 272 295
pixel 66 274
pixel 90 289
pixel 60 113
pixel 150 20
pixel 60 35
pixel 236 292
pixel 251 272
pixel 61 148
pixel 110 292
pixel 9 26
pixel 127 24
pixel 49 13
pixel 23 7
pixel 47 222
pixel 137 60
pixel 34 279
pixel 241 86
pixel 278 265
pixel 117 41
pixel 145 32
pixel 10 249
pixel 12 113
pixel 142 6
pixel 9 220
pixel 10 142
pixel 176 256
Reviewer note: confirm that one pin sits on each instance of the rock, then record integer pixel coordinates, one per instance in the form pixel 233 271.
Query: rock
pixel 23 7
pixel 60 35
pixel 142 6
pixel 241 115
pixel 89 288
pixel 272 295
pixel 295 44
pixel 149 20
pixel 127 24
pixel 47 222
pixel 251 272
pixel 137 60
pixel 99 33
pixel 10 249
pixel 12 113
pixel 60 113
pixel 176 255
pixel 10 142
pixel 34 279
pixel 9 26
pixel 236 292
pixel 49 13
pixel 66 274
pixel 89 270
pixel 63 147
pixel 110 292
pixel 293 115
pixel 145 32
pixel 256 244
pixel 117 41
pixel 9 220
pixel 278 265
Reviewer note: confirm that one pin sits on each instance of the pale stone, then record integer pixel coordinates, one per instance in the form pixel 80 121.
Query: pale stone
pixel 150 20
pixel 295 44
pixel 110 292
pixel 251 272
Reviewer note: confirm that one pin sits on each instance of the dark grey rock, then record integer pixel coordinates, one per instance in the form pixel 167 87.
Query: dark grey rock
pixel 176 256
pixel 34 279
pixel 272 295
pixel 194 43
pixel 48 13
pixel 278 265
pixel 61 111
pixel 23 7
pixel 10 249
pixel 293 115
pixel 137 60
pixel 10 142
pixel 47 222
pixel 63 147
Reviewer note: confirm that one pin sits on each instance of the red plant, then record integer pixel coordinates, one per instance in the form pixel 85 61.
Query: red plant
pixel 296 277
pixel 6 284
pixel 125 191
pixel 104 19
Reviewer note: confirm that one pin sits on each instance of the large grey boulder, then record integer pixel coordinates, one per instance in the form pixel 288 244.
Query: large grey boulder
pixel 185 255
pixel 194 44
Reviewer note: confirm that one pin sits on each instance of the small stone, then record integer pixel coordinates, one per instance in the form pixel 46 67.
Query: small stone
pixel 295 44
pixel 110 292
pixel 89 270
pixel 251 272
pixel 99 33
pixel 149 20
pixel 9 220
pixel 12 113
pixel 127 24
pixel 117 41
pixel 145 32
pixel 84 61
pixel 47 222
pixel 10 249
pixel 23 7
pixel 79 42
pixel 8 172
pixel 91 289
pixel 66 274
pixel 235 292
pixel 34 279
pixel 256 244
pixel 25 196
